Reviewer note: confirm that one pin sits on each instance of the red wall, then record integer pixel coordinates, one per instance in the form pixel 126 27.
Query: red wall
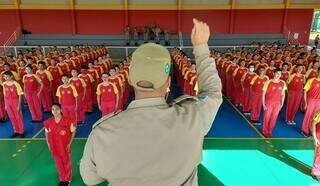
pixel 258 21
pixel 8 24
pixel 113 21
pixel 219 20
pixel 99 21
pixel 47 21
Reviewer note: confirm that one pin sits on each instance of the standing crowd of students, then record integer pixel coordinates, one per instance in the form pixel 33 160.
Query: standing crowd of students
pixel 77 80
pixel 262 77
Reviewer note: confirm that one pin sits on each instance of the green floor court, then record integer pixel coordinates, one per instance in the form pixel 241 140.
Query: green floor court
pixel 231 162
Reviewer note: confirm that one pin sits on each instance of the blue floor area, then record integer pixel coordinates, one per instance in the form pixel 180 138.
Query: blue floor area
pixel 229 123
pixel 31 129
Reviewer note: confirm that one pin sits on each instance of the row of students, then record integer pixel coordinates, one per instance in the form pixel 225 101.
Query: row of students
pixel 245 84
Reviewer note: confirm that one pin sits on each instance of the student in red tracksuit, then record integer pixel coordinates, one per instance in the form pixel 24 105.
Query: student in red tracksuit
pixel 60 131
pixel 89 80
pixel 3 115
pixel 229 78
pixel 311 98
pixel 295 92
pixel 107 96
pixel 237 75
pixel 116 80
pixel 80 86
pixel 272 101
pixel 12 92
pixel 56 73
pixel 33 86
pixel 285 73
pixel 46 78
pixel 257 84
pixel 245 82
pixel 67 95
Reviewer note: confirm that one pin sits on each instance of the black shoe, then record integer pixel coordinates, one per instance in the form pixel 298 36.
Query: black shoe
pixel 61 183
pixel 14 135
pixel 22 135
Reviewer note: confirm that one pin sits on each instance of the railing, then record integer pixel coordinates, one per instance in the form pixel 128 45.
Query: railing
pixel 180 39
pixel 291 36
pixel 10 41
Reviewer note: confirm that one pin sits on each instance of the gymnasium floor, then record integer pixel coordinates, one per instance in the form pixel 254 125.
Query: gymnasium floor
pixel 235 153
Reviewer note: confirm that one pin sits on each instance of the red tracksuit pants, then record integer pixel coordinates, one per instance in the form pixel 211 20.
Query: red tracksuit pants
pixel 246 99
pixel 237 94
pixel 15 116
pixel 256 104
pixel 80 111
pixel 68 111
pixel 34 105
pixel 63 164
pixel 313 107
pixel 293 102
pixel 45 97
pixel 2 109
pixel 270 117
pixel 88 100
pixel 229 86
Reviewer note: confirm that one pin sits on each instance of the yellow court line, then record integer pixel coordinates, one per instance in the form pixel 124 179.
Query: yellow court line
pixel 248 122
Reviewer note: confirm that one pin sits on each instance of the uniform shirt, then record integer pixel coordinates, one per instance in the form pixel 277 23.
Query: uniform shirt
pixel 64 68
pixel 247 78
pixel 295 83
pixel 153 143
pixel 31 82
pixel 107 92
pixel 45 77
pixel 316 121
pixel 88 79
pixel 22 71
pixel 56 73
pixel 79 84
pixel 67 95
pixel 312 88
pixel 311 74
pixel 238 74
pixel 258 82
pixel 116 81
pixel 284 75
pixel 59 134
pixel 274 91
pixel 12 92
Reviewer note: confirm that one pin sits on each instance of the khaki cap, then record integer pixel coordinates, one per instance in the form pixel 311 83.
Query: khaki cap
pixel 151 63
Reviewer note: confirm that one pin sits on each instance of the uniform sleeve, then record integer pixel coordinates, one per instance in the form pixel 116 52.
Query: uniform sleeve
pixel 90 77
pixel 3 88
pixel 317 118
pixel 115 89
pixel 37 79
pixel 16 76
pixel 209 84
pixel 83 82
pixel 265 86
pixel 58 92
pixel 49 75
pixel 290 78
pixel 88 169
pixel 235 72
pixel 19 89
pixel 74 91
pixel 243 77
pixel 98 90
pixel 308 84
pixel 284 87
pixel 253 80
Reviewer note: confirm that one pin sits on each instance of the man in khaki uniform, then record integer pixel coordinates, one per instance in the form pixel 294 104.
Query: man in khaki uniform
pixel 152 142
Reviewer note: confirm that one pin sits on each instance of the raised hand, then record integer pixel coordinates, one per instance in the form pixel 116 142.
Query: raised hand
pixel 200 33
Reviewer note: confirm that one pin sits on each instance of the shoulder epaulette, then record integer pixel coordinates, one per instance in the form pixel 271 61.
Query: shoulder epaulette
pixel 104 118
